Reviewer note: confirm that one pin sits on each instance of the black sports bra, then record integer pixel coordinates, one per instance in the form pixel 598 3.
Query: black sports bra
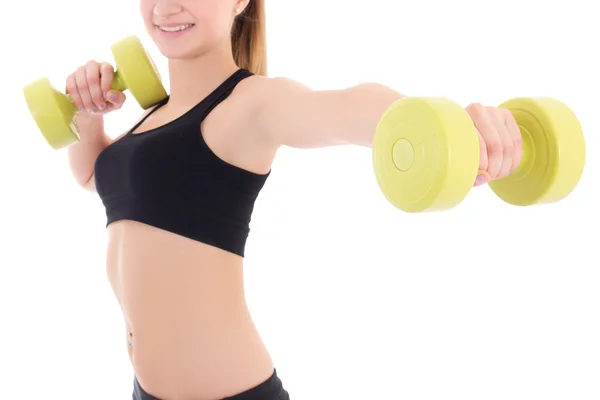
pixel 169 178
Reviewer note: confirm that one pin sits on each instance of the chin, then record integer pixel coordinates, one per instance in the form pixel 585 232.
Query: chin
pixel 178 54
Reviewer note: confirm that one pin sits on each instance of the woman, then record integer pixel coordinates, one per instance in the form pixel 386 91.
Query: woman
pixel 179 189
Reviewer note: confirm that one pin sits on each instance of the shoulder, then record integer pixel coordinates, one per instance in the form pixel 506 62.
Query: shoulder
pixel 261 97
pixel 261 91
pixel 266 90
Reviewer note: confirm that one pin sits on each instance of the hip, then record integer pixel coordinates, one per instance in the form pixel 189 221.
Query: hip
pixel 269 389
pixel 201 364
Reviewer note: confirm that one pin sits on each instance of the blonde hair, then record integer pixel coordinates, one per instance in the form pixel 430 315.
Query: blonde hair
pixel 249 38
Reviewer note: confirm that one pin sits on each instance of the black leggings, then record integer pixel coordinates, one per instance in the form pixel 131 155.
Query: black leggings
pixel 271 389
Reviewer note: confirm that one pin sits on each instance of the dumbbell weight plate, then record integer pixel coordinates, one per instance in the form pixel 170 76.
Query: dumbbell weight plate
pixel 425 154
pixel 554 153
pixel 137 72
pixel 52 112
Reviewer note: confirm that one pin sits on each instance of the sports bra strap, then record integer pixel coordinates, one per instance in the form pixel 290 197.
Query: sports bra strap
pixel 141 121
pixel 204 107
pixel 220 93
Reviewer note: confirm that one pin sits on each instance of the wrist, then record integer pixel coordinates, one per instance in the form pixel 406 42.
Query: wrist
pixel 89 125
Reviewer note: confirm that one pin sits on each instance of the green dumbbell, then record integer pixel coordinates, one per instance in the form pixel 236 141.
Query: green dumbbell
pixel 426 154
pixel 54 112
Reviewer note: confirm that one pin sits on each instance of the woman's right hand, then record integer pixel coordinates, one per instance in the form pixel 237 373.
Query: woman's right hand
pixel 90 87
pixel 500 142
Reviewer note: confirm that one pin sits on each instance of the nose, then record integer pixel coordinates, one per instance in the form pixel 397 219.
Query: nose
pixel 167 8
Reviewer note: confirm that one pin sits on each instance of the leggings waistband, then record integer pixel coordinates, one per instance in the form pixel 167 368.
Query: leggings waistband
pixel 271 389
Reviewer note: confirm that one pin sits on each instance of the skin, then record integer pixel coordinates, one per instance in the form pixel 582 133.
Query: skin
pixel 183 302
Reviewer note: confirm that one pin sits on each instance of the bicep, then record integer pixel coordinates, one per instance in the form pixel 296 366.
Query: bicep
pixel 298 116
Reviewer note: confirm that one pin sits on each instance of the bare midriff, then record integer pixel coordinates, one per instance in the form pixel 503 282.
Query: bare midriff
pixel 189 332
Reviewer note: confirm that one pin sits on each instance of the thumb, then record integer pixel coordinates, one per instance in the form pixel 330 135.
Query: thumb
pixel 115 97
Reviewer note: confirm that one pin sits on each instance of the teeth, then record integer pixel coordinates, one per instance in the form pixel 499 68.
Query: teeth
pixel 175 28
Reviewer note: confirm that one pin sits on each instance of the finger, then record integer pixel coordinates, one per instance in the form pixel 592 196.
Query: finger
pixel 483 157
pixel 517 139
pixel 107 75
pixel 482 176
pixel 83 89
pixel 93 80
pixel 492 140
pixel 74 93
pixel 115 99
pixel 508 148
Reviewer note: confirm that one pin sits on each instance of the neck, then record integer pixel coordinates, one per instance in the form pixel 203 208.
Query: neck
pixel 191 80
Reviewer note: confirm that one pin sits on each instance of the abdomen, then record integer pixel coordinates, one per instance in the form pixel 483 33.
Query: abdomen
pixel 183 302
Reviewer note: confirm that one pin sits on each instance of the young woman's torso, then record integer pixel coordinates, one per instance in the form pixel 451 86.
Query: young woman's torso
pixel 188 329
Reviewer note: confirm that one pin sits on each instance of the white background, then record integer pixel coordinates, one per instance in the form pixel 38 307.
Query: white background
pixel 354 299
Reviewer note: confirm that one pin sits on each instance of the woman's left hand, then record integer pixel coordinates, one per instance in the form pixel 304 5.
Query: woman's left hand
pixel 499 142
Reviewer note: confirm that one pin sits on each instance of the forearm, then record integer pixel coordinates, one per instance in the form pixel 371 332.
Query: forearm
pixel 82 155
pixel 366 104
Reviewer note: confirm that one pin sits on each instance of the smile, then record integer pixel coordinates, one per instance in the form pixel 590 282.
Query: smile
pixel 177 28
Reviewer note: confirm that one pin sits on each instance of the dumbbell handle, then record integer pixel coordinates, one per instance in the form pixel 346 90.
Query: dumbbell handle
pixel 118 84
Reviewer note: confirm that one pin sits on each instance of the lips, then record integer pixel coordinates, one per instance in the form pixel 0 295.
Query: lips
pixel 174 27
